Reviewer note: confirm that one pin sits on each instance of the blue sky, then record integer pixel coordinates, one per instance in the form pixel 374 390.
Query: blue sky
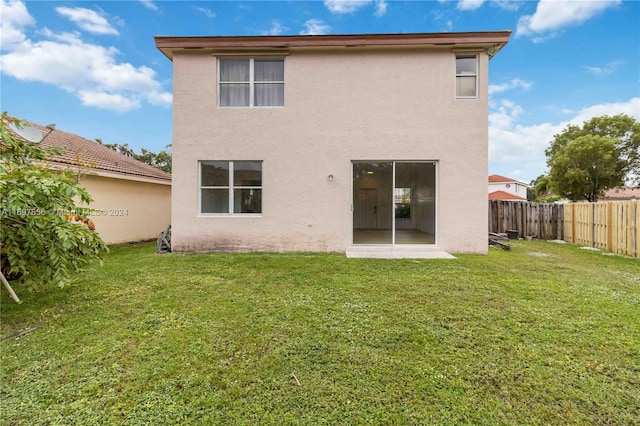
pixel 92 67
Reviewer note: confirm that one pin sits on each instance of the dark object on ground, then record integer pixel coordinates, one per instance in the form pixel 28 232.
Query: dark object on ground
pixel 495 243
pixel 498 236
pixel 164 241
pixel 512 234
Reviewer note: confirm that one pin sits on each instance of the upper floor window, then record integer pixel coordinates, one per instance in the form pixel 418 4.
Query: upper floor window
pixel 251 82
pixel 466 76
pixel 231 187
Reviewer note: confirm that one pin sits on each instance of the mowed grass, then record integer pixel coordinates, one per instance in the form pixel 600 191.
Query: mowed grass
pixel 543 334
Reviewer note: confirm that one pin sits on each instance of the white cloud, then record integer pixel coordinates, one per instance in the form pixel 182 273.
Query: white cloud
pixel 517 151
pixel 513 84
pixel 553 15
pixel 469 4
pixel 608 69
pixel 89 71
pixel 87 19
pixel 345 6
pixel 159 98
pixel 505 114
pixel 510 5
pixel 110 101
pixel 14 17
pixel 315 27
pixel 149 4
pixel 276 28
pixel 630 107
pixel 205 11
pixel 350 6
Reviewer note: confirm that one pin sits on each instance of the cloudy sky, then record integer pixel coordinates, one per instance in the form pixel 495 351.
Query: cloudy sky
pixel 92 67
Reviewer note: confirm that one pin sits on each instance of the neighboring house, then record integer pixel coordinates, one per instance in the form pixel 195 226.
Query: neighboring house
pixel 504 188
pixel 503 195
pixel 620 194
pixel 373 145
pixel 134 198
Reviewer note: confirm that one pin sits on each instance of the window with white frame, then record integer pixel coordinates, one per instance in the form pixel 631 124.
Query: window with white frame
pixel 466 76
pixel 230 187
pixel 251 82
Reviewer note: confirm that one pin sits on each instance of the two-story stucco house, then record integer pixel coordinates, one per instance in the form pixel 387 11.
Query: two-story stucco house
pixel 504 188
pixel 372 145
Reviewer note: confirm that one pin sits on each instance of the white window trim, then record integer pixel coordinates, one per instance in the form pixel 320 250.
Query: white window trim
pixel 230 188
pixel 251 82
pixel 476 75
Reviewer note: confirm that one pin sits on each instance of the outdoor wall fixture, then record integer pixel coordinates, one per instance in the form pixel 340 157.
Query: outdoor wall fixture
pixel 330 178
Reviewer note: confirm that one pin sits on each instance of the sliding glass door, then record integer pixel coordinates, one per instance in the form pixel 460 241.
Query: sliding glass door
pixel 394 202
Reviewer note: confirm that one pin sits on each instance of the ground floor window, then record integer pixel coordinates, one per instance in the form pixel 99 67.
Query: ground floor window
pixel 394 202
pixel 230 187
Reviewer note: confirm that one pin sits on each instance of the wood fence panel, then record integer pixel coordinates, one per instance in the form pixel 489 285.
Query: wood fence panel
pixel 568 222
pixel 583 224
pixel 538 220
pixel 600 228
pixel 608 225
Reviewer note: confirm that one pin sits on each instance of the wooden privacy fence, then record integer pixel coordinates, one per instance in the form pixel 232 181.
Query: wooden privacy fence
pixel 610 225
pixel 538 220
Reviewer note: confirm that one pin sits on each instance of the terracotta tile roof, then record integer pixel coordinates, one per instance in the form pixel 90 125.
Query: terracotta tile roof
pixel 503 195
pixel 622 193
pixel 79 151
pixel 498 178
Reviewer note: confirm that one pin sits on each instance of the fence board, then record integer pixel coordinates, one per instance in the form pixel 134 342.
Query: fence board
pixel 608 225
pixel 538 220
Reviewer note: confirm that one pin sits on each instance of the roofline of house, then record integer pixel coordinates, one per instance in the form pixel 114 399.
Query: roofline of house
pixel 491 41
pixel 509 181
pixel 55 165
pixel 512 197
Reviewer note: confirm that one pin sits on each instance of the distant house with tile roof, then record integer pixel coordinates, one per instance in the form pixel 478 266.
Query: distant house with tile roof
pixel 503 195
pixel 134 198
pixel 504 188
pixel 621 193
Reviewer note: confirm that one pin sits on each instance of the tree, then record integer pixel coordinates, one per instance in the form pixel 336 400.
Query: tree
pixel 44 235
pixel 584 167
pixel 161 160
pixel 542 186
pixel 622 129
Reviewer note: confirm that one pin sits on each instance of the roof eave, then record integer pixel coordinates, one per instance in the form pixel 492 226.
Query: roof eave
pixel 493 41
pixel 92 171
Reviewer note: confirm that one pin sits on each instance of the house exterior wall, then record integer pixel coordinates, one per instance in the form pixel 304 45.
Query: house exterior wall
pixel 515 188
pixel 341 105
pixel 131 210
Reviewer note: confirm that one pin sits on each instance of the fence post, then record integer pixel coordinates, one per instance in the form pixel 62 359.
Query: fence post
pixel 593 224
pixel 573 223
pixel 560 222
pixel 636 225
pixel 609 225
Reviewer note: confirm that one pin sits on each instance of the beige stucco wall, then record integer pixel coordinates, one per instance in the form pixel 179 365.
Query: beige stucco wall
pixel 340 105
pixel 131 210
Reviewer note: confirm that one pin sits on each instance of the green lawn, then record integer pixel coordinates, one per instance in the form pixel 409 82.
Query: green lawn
pixel 543 334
